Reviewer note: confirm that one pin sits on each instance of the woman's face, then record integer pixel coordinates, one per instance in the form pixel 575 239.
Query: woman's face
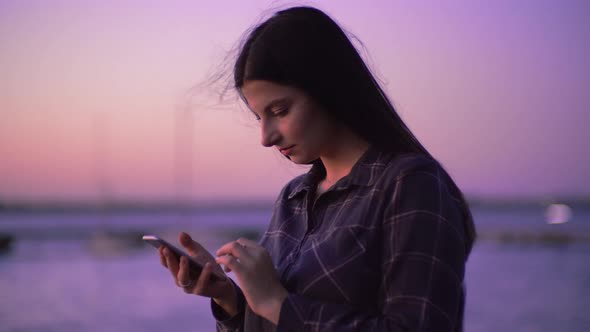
pixel 290 120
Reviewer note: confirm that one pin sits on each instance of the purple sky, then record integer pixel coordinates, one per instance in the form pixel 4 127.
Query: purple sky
pixel 90 93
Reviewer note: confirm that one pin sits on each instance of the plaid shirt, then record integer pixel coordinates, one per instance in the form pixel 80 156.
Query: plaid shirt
pixel 384 249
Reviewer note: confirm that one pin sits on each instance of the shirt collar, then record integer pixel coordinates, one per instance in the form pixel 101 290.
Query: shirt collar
pixel 364 172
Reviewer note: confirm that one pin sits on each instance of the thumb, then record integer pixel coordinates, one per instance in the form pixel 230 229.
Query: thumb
pixel 189 244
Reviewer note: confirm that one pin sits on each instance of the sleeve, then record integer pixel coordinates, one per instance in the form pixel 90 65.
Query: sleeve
pixel 225 323
pixel 423 261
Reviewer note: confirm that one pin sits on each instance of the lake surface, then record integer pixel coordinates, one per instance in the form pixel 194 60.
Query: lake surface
pixel 89 272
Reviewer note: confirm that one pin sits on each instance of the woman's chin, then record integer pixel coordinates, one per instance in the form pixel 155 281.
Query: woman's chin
pixel 301 161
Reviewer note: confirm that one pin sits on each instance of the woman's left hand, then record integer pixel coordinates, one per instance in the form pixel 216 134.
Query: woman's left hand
pixel 257 276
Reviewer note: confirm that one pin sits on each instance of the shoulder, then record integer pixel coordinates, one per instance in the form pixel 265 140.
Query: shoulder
pixel 410 164
pixel 415 181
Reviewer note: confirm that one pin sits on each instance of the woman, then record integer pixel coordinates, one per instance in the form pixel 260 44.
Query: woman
pixel 374 237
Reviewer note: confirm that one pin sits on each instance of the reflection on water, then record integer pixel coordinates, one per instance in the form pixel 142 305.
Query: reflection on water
pixel 83 274
pixel 558 213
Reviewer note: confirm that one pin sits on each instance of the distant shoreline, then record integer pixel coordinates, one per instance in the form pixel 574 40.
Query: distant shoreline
pixel 249 205
pixel 131 206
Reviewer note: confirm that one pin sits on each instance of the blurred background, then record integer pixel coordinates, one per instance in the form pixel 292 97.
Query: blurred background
pixel 108 131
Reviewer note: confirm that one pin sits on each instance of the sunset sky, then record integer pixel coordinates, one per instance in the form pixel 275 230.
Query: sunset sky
pixel 93 96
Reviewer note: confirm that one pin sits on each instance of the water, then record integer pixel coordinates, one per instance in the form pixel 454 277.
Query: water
pixel 66 273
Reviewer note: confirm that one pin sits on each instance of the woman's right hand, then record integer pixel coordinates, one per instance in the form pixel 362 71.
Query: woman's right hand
pixel 222 291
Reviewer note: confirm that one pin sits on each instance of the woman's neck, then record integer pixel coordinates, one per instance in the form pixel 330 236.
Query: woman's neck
pixel 340 157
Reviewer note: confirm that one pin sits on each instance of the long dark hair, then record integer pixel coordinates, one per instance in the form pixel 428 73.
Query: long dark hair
pixel 304 48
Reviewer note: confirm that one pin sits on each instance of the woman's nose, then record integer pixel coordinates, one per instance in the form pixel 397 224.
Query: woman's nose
pixel 270 134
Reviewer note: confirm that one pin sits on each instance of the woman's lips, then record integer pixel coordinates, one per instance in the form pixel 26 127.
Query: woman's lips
pixel 287 151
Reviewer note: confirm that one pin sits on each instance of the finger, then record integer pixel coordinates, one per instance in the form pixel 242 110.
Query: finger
pixel 230 263
pixel 162 257
pixel 216 272
pixel 203 278
pixel 248 243
pixel 225 268
pixel 233 248
pixel 184 278
pixel 172 263
pixel 191 246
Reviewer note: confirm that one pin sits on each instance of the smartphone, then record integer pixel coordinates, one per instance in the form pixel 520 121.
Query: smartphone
pixel 194 265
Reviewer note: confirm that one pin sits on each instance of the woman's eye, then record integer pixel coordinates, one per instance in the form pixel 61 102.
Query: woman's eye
pixel 280 111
